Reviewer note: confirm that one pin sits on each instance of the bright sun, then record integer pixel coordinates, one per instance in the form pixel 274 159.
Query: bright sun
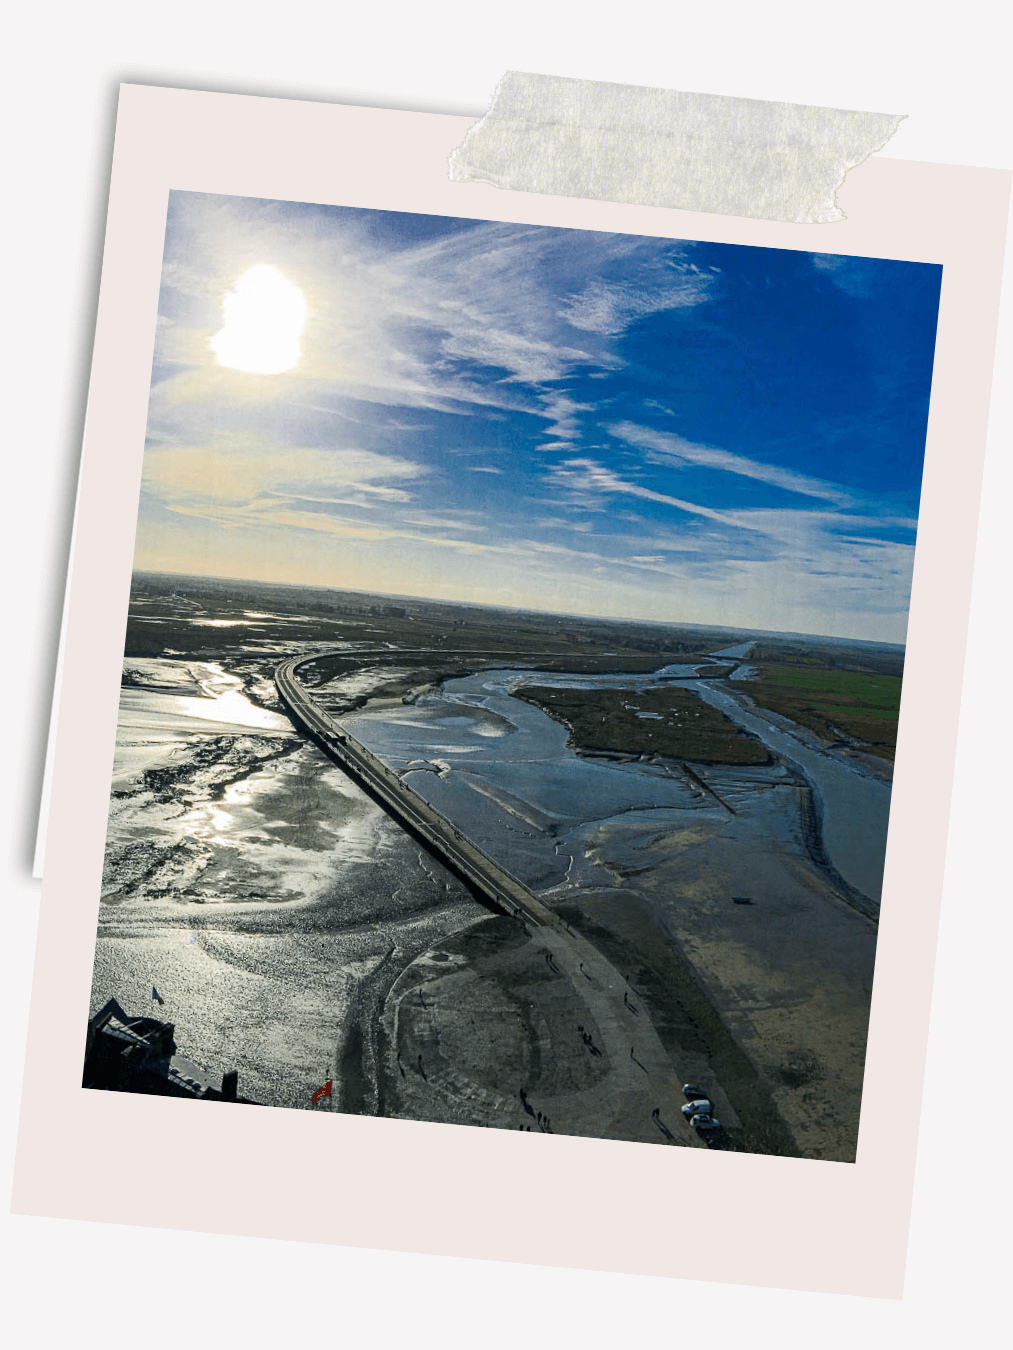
pixel 264 318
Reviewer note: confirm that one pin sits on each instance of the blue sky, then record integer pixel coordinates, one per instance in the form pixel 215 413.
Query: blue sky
pixel 550 419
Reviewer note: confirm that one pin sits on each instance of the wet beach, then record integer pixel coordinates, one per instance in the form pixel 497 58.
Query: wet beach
pixel 280 912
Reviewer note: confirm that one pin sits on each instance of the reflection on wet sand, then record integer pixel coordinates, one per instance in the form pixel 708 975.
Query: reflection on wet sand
pixel 296 932
pixel 251 881
pixel 647 857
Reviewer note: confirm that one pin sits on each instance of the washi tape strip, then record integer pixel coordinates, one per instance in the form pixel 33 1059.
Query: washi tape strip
pixel 660 147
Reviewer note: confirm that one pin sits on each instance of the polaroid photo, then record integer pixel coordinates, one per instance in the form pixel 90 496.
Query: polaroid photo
pixel 509 699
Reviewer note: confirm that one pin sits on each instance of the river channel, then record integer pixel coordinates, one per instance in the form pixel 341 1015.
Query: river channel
pixel 502 771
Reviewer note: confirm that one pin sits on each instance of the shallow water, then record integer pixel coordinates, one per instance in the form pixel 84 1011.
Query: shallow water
pixel 739 652
pixel 253 883
pixel 856 806
pixel 162 690
pixel 519 771
pixel 180 705
pixel 260 890
pixel 501 769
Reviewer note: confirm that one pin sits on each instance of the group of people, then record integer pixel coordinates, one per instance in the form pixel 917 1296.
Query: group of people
pixel 542 1122
pixel 585 1036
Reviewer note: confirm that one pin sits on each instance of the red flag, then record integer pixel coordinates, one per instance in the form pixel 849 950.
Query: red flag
pixel 324 1091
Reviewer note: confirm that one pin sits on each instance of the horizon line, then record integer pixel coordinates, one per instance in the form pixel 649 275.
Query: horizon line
pixel 513 609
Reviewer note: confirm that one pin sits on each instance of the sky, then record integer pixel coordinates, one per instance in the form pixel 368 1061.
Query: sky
pixel 563 420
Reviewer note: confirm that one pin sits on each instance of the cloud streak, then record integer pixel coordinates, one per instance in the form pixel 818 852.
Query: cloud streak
pixel 664 448
pixel 583 477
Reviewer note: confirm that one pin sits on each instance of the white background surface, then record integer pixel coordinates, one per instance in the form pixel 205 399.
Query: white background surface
pixel 64 63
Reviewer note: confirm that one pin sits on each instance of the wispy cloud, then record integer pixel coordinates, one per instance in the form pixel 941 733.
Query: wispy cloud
pixel 847 274
pixel 664 448
pixel 423 326
pixel 609 307
pixel 585 477
pixel 564 424
pixel 225 472
pixel 430 521
pixel 789 525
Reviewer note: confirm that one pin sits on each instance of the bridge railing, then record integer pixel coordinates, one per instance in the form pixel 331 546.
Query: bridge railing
pixel 505 890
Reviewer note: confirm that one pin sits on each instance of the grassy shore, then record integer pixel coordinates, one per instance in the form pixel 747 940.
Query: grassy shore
pixel 854 705
pixel 671 722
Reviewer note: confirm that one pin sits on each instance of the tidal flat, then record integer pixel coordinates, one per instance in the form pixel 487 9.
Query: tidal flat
pixel 251 882
pixel 298 934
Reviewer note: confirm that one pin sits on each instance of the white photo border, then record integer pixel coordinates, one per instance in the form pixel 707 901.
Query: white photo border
pixel 453 1190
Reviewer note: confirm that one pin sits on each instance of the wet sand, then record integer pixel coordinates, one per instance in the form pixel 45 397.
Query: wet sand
pixel 290 925
pixel 789 974
pixel 656 865
pixel 258 889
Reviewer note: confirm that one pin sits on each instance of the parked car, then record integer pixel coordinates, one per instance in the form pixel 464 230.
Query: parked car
pixel 693 1092
pixel 700 1107
pixel 705 1122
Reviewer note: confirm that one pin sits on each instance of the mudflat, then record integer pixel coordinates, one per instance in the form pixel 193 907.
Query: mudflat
pixel 749 956
pixel 687 836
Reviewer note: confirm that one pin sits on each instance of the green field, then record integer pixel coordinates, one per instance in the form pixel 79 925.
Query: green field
pixel 856 705
pixel 679 724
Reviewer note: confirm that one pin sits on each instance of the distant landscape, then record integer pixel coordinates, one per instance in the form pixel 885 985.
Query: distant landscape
pixel 840 689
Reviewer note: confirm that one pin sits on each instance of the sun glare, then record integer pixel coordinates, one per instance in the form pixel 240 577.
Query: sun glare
pixel 264 318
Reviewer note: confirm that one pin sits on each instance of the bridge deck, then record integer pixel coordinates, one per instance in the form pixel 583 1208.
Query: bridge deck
pixel 502 890
pixel 640 1087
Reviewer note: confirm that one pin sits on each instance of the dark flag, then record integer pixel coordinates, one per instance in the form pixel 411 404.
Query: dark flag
pixel 156 997
pixel 321 1092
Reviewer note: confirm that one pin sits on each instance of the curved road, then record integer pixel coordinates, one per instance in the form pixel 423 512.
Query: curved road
pixel 641 1080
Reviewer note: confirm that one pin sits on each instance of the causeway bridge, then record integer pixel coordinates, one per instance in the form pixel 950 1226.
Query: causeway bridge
pixel 640 1088
pixel 503 891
